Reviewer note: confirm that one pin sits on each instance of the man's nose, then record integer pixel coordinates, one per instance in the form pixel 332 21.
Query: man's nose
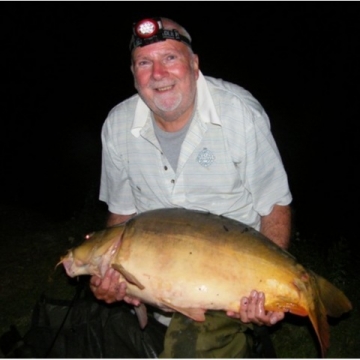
pixel 159 70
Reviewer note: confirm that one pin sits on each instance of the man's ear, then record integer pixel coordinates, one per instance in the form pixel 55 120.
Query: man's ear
pixel 195 64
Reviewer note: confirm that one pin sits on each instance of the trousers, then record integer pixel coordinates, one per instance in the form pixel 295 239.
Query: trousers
pixel 219 336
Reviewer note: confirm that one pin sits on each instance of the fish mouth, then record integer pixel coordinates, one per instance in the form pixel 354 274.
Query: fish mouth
pixel 68 262
pixel 93 264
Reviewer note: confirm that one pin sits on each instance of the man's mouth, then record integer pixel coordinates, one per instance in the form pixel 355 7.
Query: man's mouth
pixel 165 88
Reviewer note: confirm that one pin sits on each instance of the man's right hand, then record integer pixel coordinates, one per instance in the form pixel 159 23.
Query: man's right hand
pixel 109 289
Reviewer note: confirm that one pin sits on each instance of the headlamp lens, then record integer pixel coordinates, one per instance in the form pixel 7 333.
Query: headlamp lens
pixel 146 28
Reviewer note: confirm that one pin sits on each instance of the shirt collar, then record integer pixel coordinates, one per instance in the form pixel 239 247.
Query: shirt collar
pixel 205 108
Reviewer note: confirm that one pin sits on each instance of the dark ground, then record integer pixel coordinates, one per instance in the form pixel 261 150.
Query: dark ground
pixel 34 244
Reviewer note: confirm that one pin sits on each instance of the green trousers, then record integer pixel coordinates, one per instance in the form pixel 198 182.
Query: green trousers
pixel 219 336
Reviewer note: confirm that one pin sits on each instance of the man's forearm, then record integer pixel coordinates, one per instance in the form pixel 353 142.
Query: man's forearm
pixel 115 219
pixel 277 225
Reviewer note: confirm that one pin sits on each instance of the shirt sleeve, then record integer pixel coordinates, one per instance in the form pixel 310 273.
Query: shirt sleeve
pixel 115 189
pixel 266 178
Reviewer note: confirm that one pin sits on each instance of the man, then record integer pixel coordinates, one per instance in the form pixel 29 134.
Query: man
pixel 186 140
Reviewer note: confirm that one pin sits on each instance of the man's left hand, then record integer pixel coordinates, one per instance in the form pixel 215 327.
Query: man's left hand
pixel 252 310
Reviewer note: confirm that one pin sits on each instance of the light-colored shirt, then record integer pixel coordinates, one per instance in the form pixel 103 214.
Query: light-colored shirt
pixel 229 163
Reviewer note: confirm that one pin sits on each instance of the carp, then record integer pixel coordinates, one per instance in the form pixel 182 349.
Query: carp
pixel 192 261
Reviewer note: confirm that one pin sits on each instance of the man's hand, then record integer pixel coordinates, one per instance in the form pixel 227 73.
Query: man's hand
pixel 252 310
pixel 110 289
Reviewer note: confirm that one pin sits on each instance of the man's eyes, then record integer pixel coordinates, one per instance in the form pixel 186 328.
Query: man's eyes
pixel 143 63
pixel 168 58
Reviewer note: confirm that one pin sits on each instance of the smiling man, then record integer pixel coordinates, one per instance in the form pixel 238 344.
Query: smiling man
pixel 165 76
pixel 192 141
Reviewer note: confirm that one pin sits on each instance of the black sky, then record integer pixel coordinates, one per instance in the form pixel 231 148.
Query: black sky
pixel 64 65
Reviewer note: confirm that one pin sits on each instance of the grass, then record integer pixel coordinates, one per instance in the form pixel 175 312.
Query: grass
pixel 31 245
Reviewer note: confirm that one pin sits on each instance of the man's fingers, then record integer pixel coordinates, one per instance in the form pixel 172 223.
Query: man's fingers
pixel 244 306
pixel 132 301
pixel 259 306
pixel 275 317
pixel 95 281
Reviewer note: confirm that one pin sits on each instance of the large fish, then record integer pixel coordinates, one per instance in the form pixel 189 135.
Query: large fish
pixel 192 261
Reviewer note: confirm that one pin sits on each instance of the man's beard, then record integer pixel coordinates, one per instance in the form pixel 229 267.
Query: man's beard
pixel 165 105
pixel 168 110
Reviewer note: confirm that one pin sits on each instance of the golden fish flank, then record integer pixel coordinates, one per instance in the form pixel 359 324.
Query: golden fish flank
pixel 191 261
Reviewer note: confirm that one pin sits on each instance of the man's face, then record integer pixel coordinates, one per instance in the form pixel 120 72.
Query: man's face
pixel 165 75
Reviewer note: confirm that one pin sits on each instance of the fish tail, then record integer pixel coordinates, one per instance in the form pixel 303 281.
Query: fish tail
pixel 327 300
pixel 335 301
pixel 317 315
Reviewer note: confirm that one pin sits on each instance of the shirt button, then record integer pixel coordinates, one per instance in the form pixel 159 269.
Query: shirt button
pixel 173 181
pixel 165 167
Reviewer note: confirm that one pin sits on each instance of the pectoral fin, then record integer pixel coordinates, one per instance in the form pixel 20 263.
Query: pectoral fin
pixel 193 313
pixel 128 276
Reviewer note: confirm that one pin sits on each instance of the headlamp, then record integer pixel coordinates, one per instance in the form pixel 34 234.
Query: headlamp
pixel 151 30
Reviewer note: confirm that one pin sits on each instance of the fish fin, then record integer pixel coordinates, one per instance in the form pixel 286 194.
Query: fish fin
pixel 141 313
pixel 317 312
pixel 318 318
pixel 128 276
pixel 286 305
pixel 334 300
pixel 328 300
pixel 297 310
pixel 196 314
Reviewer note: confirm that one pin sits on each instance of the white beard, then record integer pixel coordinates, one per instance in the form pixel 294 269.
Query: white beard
pixel 168 104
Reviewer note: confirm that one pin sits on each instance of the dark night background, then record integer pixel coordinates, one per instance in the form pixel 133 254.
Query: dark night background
pixel 65 65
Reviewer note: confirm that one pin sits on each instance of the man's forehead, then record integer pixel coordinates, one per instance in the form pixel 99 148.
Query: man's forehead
pixel 160 48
